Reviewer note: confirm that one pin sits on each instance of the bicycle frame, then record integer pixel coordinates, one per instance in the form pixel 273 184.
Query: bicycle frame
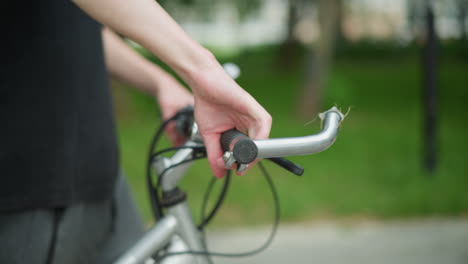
pixel 177 227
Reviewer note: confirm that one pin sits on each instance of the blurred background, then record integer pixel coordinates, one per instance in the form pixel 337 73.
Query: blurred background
pixel 399 66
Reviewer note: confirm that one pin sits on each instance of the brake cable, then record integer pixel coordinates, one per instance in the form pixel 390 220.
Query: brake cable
pixel 153 194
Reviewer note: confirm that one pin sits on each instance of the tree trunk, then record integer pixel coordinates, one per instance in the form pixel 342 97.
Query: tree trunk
pixel 430 79
pixel 319 60
pixel 288 49
pixel 340 37
pixel 462 13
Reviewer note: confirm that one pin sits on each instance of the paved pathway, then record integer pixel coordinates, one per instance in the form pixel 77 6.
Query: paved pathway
pixel 410 242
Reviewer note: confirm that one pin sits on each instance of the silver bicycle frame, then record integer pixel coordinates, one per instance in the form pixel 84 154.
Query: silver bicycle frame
pixel 178 227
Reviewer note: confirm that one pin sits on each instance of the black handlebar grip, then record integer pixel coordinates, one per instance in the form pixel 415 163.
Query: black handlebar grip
pixel 243 148
pixel 184 121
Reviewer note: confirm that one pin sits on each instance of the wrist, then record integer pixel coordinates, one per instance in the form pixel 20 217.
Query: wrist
pixel 195 71
pixel 159 80
pixel 160 85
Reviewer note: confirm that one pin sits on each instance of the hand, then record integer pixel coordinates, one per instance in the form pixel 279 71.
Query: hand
pixel 172 97
pixel 220 105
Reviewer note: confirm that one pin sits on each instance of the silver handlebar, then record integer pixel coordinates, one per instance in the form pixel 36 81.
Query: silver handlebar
pixel 296 146
pixel 266 148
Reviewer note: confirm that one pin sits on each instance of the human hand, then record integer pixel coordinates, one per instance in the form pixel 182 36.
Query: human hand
pixel 172 97
pixel 220 105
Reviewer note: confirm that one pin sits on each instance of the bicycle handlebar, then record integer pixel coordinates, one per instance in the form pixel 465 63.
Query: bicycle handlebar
pixel 239 148
pixel 246 150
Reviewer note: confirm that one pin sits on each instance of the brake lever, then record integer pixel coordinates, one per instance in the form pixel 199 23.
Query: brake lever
pixel 288 165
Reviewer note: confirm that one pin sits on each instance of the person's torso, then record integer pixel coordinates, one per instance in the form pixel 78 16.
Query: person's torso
pixel 57 138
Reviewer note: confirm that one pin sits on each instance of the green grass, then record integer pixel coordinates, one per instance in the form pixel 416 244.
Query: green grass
pixel 373 170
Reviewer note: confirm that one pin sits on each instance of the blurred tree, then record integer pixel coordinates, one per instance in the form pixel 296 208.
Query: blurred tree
pixel 288 49
pixel 462 13
pixel 340 9
pixel 319 58
pixel 430 84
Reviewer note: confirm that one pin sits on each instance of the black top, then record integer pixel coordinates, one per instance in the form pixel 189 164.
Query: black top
pixel 57 138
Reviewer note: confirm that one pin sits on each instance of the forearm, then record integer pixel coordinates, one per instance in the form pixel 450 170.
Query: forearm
pixel 145 22
pixel 125 64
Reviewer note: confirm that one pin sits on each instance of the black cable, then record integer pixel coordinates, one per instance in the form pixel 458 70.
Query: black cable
pixel 163 173
pixel 247 253
pixel 204 221
pixel 159 153
pixel 153 194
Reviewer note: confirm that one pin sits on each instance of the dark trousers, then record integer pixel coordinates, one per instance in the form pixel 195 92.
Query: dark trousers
pixel 84 233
